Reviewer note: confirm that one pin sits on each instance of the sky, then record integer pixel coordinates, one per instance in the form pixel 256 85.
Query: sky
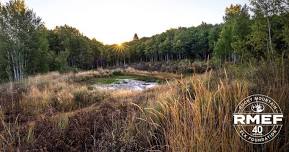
pixel 116 21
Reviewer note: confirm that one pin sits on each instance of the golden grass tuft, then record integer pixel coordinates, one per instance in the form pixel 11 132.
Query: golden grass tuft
pixel 199 118
pixel 197 114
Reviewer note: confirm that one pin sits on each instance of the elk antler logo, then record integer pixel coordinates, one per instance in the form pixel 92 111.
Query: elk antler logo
pixel 258 107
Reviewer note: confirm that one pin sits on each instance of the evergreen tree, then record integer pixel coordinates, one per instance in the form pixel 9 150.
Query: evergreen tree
pixel 135 37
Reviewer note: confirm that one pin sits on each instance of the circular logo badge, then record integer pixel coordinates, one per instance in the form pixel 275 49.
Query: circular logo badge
pixel 258 119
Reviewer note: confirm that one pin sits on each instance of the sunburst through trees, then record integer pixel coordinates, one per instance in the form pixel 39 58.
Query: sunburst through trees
pixel 120 49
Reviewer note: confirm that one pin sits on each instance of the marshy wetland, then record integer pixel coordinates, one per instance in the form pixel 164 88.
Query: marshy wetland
pixel 93 110
pixel 63 90
pixel 123 81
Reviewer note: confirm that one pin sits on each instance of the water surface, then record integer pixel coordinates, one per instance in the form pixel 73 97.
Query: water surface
pixel 126 84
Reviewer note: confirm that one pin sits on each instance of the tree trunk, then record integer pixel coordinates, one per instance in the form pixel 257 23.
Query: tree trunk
pixel 269 35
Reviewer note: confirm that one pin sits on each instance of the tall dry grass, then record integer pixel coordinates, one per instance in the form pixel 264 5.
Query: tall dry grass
pixel 198 118
pixel 189 114
pixel 61 104
pixel 197 114
pixel 40 97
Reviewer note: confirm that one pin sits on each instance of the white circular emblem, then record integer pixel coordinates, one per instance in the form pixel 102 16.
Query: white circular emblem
pixel 258 119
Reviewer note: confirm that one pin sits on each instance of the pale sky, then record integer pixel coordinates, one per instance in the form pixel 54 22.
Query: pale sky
pixel 116 21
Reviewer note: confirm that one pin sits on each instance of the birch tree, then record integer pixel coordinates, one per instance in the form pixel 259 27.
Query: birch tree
pixel 267 9
pixel 17 25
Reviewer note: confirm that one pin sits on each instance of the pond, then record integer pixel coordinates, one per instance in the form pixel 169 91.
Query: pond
pixel 124 81
pixel 126 84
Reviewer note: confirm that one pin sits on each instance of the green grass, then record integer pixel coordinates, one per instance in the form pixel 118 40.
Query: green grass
pixel 115 78
pixel 108 80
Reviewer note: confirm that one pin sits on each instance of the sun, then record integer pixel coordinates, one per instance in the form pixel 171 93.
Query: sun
pixel 120 47
pixel 119 44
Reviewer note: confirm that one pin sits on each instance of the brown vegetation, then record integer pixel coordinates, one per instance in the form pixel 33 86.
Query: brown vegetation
pixel 55 112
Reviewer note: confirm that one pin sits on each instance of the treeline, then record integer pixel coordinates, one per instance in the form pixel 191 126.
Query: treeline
pixel 190 43
pixel 264 35
pixel 68 48
pixel 27 47
pixel 242 37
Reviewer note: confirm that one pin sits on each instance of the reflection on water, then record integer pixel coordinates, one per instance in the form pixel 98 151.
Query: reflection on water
pixel 127 84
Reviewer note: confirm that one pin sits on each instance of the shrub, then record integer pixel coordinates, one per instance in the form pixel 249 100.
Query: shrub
pixel 84 97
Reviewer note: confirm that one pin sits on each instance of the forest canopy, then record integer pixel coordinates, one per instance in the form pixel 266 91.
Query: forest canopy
pixel 255 32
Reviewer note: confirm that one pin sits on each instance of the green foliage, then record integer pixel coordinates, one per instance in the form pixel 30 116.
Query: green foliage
pixel 258 38
pixel 38 55
pixel 19 39
pixel 82 52
pixel 232 42
pixel 58 62
pixel 223 49
pixel 31 48
pixel 268 16
pixel 4 74
pixel 181 43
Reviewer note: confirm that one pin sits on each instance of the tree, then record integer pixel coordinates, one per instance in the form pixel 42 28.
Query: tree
pixel 285 28
pixel 135 37
pixel 4 71
pixel 82 52
pixel 232 42
pixel 38 55
pixel 267 9
pixel 241 30
pixel 223 49
pixel 213 36
pixel 18 25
